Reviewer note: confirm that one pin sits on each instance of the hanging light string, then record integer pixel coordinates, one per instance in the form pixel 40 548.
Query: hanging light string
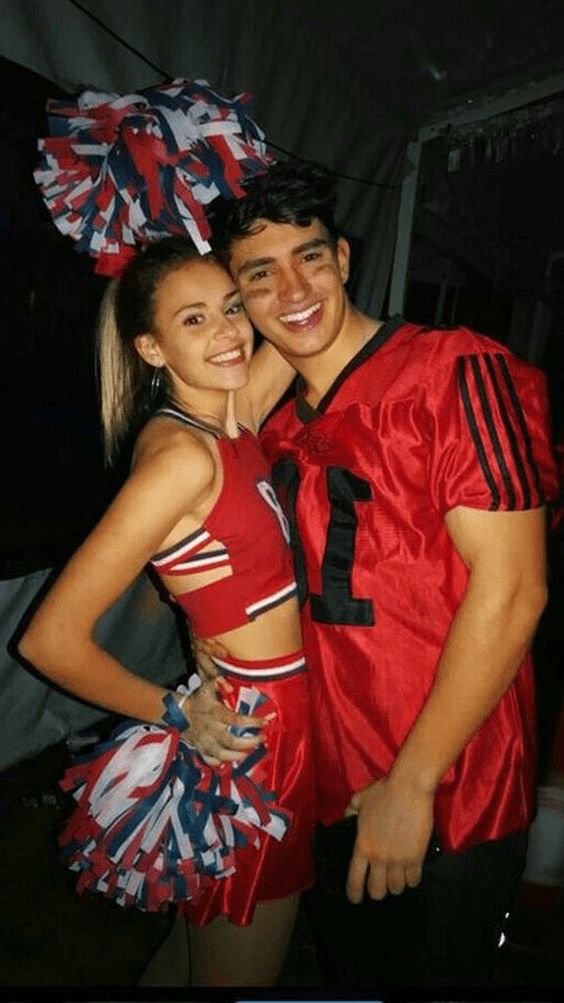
pixel 167 76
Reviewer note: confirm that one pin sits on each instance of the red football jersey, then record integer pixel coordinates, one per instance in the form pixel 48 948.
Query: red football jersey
pixel 420 421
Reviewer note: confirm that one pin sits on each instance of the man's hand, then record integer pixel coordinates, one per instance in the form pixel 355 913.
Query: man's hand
pixel 394 830
pixel 210 722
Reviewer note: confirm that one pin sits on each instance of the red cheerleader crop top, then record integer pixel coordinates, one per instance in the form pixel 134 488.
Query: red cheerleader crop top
pixel 246 531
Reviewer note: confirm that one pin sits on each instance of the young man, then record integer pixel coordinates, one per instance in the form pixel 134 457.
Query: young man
pixel 413 466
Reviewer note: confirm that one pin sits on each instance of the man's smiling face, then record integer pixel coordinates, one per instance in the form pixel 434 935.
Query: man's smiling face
pixel 292 284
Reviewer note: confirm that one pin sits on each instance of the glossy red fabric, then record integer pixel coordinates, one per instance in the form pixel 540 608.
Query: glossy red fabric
pixel 420 421
pixel 276 869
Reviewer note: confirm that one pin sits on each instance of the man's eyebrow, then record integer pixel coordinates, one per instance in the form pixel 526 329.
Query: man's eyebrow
pixel 308 245
pixel 254 263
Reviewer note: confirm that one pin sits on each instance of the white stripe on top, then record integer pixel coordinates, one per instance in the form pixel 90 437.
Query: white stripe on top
pixel 180 550
pixel 271 600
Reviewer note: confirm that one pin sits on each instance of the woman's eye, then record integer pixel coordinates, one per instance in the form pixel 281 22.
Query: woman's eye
pixel 234 309
pixel 192 319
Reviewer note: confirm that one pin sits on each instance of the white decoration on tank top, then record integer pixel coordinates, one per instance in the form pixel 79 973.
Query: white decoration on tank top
pixel 266 492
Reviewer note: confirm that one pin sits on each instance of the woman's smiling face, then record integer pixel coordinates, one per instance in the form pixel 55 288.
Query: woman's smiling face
pixel 201 333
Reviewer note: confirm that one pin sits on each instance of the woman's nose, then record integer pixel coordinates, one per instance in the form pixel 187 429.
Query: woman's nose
pixel 226 327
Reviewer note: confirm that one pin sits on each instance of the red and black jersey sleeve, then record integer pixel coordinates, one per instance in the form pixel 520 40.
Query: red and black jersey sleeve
pixel 488 417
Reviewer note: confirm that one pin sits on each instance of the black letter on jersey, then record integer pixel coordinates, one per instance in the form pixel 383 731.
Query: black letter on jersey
pixel 337 604
pixel 286 481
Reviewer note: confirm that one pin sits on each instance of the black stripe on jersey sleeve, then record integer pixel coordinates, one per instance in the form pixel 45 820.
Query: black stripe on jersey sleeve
pixel 522 425
pixel 492 430
pixel 513 442
pixel 475 433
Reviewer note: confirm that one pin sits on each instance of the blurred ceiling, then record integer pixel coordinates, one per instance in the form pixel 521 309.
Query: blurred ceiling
pixel 404 63
pixel 419 59
pixel 490 199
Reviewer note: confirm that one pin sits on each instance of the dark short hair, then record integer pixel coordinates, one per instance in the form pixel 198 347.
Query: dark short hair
pixel 295 193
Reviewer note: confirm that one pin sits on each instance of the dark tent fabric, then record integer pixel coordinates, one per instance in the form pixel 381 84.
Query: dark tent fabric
pixel 345 85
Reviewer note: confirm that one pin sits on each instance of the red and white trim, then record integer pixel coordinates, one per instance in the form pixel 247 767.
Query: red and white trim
pixel 266 670
pixel 179 559
pixel 268 602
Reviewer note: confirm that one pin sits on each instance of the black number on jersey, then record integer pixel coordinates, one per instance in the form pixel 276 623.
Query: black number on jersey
pixel 336 604
pixel 286 481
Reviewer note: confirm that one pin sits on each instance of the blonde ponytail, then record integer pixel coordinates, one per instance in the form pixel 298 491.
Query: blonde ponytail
pixel 127 310
pixel 119 370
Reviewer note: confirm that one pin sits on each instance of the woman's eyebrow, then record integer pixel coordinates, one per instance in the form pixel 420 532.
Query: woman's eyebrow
pixel 201 305
pixel 189 306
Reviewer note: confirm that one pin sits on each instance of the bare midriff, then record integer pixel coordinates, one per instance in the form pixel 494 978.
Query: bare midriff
pixel 273 634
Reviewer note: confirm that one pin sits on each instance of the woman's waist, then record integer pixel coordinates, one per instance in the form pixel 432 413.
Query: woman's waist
pixel 230 604
pixel 275 633
pixel 261 670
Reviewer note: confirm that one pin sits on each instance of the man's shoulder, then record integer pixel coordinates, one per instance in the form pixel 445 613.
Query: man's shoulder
pixel 415 341
pixel 435 351
pixel 459 340
pixel 454 340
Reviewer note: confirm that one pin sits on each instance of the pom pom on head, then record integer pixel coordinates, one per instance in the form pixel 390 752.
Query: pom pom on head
pixel 118 172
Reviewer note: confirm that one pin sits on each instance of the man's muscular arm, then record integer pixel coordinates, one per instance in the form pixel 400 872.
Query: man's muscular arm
pixel 492 630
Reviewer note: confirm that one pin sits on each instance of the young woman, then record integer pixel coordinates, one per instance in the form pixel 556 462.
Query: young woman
pixel 199 507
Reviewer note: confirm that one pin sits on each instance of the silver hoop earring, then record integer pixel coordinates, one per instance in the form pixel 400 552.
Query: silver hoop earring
pixel 156 382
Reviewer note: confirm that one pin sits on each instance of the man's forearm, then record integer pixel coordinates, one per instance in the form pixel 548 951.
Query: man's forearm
pixel 484 649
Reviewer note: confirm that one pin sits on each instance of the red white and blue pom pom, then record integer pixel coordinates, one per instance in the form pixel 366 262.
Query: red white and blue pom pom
pixel 153 817
pixel 119 171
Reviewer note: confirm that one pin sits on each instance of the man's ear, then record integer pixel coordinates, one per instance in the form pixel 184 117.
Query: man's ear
pixel 148 348
pixel 343 255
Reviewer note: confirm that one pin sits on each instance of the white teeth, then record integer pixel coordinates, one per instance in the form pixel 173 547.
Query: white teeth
pixel 236 353
pixel 296 318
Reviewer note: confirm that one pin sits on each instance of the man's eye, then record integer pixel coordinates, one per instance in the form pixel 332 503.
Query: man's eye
pixel 312 255
pixel 256 276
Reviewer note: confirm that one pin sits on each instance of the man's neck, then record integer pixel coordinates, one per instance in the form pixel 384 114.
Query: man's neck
pixel 319 372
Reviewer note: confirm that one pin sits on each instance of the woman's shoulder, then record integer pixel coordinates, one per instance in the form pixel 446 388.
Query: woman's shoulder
pixel 175 454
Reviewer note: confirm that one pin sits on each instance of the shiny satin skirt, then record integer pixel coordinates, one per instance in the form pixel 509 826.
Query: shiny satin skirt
pixel 274 869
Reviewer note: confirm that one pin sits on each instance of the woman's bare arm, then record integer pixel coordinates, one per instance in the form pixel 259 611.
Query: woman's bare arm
pixel 59 640
pixel 269 377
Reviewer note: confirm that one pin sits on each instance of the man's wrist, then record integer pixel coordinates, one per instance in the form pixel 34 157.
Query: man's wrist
pixel 419 781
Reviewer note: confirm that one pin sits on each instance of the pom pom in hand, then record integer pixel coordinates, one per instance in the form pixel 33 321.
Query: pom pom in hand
pixel 154 822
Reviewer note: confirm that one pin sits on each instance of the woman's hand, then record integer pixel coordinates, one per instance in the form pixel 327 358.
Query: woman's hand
pixel 210 722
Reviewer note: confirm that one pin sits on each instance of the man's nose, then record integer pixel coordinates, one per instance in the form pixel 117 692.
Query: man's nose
pixel 294 286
